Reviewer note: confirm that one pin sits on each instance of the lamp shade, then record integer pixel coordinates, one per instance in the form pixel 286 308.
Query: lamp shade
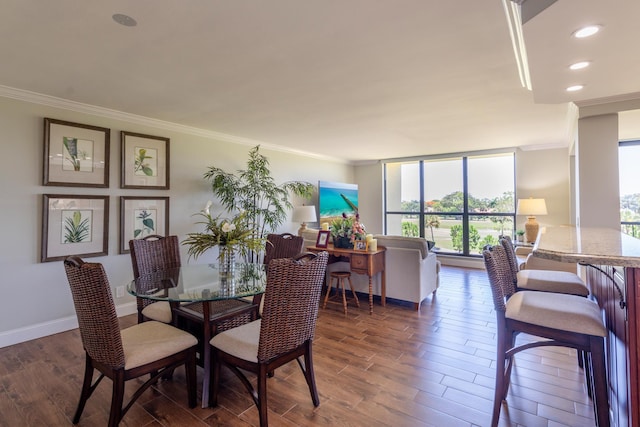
pixel 304 214
pixel 531 207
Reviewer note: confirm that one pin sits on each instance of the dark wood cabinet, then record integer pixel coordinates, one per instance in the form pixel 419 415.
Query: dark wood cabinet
pixel 617 291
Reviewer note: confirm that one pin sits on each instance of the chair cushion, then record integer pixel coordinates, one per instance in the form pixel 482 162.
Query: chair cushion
pixel 241 342
pixel 562 282
pixel 160 311
pixel 558 311
pixel 147 342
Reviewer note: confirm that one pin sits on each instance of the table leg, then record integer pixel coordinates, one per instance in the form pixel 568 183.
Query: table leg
pixel 206 353
pixel 370 295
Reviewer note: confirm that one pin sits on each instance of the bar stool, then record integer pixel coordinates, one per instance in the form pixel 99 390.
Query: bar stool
pixel 340 277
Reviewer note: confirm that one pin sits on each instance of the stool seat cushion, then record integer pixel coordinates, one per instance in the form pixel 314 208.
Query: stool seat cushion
pixel 558 311
pixel 552 281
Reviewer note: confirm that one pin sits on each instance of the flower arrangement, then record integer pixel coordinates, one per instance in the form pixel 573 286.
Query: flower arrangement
pixel 230 234
pixel 347 227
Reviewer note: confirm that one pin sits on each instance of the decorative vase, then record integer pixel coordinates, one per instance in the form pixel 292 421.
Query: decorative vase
pixel 342 242
pixel 226 262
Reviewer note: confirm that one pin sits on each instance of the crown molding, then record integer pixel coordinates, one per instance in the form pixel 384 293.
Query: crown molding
pixel 66 104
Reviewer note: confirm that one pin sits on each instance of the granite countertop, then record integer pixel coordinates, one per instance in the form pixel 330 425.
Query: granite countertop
pixel 588 245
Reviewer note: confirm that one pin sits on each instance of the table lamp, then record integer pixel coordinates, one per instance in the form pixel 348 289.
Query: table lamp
pixel 304 214
pixel 531 207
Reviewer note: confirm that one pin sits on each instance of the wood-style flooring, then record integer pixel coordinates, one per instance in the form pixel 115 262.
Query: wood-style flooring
pixel 397 367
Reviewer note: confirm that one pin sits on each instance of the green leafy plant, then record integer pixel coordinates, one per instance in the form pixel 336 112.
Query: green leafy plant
pixel 255 192
pixel 140 165
pixel 233 235
pixel 76 229
pixel 349 227
pixel 410 229
pixel 456 237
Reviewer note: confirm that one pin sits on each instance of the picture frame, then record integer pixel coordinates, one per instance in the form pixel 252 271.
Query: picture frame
pixel 322 240
pixel 144 161
pixel 74 225
pixel 75 154
pixel 360 245
pixel 141 217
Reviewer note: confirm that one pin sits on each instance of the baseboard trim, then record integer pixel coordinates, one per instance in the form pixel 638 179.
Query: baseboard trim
pixel 32 332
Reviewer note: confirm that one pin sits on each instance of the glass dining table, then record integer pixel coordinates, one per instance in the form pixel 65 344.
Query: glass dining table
pixel 185 286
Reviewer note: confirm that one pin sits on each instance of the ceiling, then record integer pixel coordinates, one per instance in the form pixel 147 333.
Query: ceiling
pixel 351 79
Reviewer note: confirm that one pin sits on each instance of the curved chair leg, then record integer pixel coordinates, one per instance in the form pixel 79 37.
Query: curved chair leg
pixel 87 388
pixel 309 374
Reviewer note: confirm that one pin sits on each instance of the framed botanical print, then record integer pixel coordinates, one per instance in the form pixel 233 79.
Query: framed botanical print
pixel 141 217
pixel 74 225
pixel 75 155
pixel 145 161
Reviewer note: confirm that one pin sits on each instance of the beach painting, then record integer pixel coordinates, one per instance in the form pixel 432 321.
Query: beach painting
pixel 336 198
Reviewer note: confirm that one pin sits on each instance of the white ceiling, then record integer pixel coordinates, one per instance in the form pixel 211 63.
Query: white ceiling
pixel 351 79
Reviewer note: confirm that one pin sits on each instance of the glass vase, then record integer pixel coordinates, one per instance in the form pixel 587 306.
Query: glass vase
pixel 226 262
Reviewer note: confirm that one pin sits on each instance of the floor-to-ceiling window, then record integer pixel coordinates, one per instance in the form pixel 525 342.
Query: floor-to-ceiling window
pixel 460 202
pixel 628 161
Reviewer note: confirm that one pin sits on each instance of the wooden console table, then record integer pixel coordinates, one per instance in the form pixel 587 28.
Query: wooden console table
pixel 612 260
pixel 363 262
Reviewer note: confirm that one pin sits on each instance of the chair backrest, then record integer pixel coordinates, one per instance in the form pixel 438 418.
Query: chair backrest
pixel 510 253
pixel 96 312
pixel 291 302
pixel 154 253
pixel 499 272
pixel 284 245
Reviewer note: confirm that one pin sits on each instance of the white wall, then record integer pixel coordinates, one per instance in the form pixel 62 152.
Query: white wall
pixel 35 297
pixel 597 169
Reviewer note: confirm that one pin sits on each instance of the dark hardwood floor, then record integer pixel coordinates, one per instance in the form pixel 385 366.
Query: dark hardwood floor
pixel 395 368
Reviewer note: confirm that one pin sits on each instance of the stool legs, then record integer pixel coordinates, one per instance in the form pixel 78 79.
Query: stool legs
pixel 340 289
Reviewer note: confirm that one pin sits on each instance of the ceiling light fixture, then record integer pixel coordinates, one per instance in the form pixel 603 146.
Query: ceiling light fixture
pixel 514 20
pixel 125 20
pixel 575 88
pixel 579 65
pixel 586 31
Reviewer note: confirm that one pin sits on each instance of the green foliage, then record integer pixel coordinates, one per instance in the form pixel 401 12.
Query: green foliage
pixel 456 237
pixel 231 233
pixel 76 229
pixel 255 191
pixel 487 240
pixel 410 229
pixel 433 221
pixel 348 226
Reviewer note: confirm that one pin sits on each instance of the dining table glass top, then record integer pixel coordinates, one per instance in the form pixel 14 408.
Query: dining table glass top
pixel 200 282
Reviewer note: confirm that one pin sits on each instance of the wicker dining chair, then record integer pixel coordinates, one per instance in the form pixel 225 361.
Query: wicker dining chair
pixel 284 333
pixel 146 348
pixel 562 320
pixel 285 245
pixel 148 255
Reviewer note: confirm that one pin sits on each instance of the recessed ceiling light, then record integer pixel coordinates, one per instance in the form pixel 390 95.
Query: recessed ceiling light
pixel 574 88
pixel 586 31
pixel 125 20
pixel 579 65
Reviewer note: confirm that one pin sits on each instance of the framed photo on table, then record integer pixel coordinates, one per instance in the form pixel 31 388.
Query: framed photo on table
pixel 323 238
pixel 360 245
pixel 145 161
pixel 141 217
pixel 75 155
pixel 74 225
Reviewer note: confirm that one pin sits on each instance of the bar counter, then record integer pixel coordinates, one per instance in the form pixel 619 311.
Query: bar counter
pixel 611 261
